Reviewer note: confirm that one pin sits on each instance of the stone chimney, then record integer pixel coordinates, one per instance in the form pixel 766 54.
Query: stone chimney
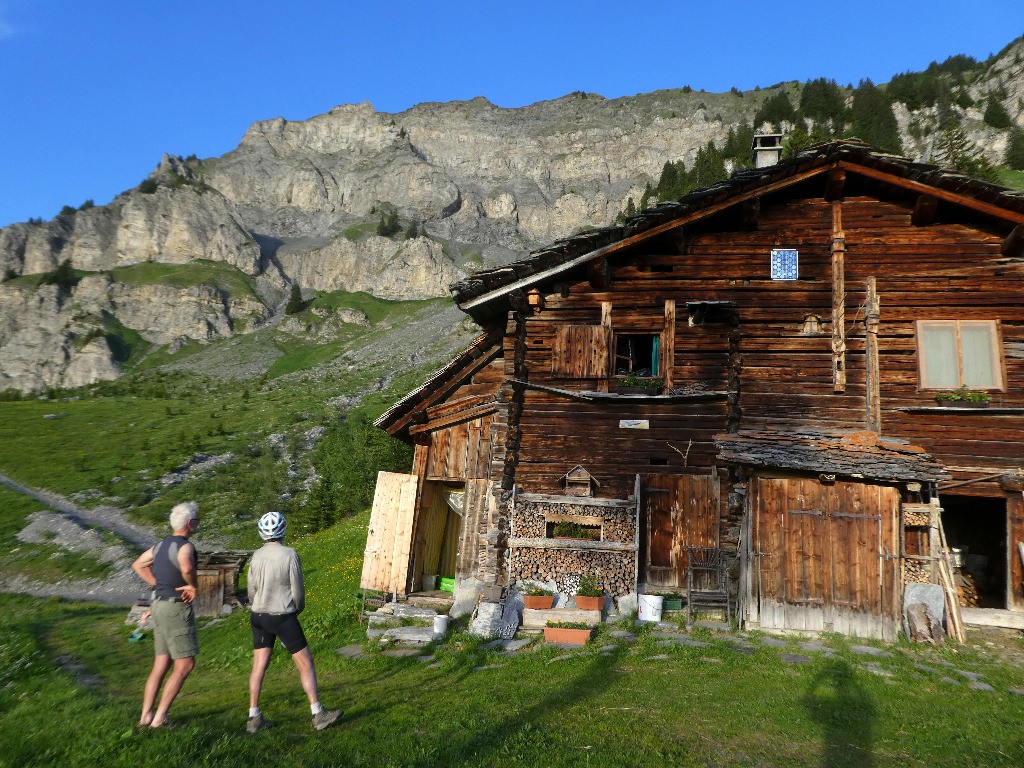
pixel 767 149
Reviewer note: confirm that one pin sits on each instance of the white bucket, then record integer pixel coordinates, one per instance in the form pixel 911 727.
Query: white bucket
pixel 440 624
pixel 649 607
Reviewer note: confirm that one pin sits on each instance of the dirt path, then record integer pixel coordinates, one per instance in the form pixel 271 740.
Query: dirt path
pixel 70 527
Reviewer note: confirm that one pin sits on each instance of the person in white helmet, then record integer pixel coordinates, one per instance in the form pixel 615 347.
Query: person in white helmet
pixel 277 597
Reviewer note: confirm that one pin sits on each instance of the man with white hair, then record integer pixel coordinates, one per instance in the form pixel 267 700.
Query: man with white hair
pixel 170 568
pixel 278 596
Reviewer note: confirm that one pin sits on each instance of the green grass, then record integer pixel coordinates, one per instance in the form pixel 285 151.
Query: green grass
pixel 639 704
pixel 227 278
pixel 1011 178
pixel 376 310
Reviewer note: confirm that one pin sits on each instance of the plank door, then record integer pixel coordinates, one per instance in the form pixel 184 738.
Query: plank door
pixel 679 511
pixel 825 556
pixel 389 538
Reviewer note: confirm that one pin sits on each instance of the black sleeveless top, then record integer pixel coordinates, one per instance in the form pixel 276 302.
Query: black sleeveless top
pixel 165 567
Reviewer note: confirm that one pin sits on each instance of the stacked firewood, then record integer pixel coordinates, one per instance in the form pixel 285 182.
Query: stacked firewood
pixel 917 572
pixel 615 571
pixel 967 589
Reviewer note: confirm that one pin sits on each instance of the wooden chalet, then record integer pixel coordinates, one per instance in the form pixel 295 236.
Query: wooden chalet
pixel 789 329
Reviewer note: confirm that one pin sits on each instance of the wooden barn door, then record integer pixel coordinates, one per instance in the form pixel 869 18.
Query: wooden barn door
pixel 389 538
pixel 825 556
pixel 679 511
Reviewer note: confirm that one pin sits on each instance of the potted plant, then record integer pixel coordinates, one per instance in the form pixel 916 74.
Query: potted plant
pixel 564 529
pixel 673 602
pixel 631 384
pixel 571 632
pixel 589 595
pixel 963 397
pixel 538 597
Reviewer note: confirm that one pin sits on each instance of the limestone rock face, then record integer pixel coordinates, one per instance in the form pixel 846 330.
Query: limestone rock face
pixel 410 269
pixel 52 339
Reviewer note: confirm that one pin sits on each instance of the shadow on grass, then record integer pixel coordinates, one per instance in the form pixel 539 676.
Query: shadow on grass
pixel 846 712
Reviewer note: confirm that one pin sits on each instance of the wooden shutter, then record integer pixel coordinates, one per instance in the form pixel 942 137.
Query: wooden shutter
pixel 389 538
pixel 581 352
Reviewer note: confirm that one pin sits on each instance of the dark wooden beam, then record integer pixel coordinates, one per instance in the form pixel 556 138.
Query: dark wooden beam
pixel 751 213
pixel 924 211
pixel 1013 243
pixel 834 184
pixel 599 274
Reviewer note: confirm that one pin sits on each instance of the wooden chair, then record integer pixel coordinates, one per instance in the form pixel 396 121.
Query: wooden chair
pixel 707 582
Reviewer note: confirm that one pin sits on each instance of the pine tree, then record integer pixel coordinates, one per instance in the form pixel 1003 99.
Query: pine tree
pixel 955 151
pixel 872 118
pixel 1015 150
pixel 823 101
pixel 996 114
pixel 776 110
pixel 295 304
pixel 708 167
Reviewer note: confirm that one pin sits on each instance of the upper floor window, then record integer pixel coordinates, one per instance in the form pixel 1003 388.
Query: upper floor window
pixel 959 353
pixel 637 353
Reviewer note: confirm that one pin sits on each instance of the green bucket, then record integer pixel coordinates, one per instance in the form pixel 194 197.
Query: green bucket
pixel 446 584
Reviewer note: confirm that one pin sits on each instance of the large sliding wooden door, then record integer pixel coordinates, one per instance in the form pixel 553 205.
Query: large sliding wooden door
pixel 825 557
pixel 679 511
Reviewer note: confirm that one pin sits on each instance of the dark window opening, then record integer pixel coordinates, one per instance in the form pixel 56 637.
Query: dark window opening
pixel 638 354
pixel 658 461
pixel 976 532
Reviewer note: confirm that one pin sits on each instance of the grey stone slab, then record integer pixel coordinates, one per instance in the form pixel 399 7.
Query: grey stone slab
pixel 414 612
pixel 416 635
pixel 870 650
pixel 774 642
pixel 745 650
pixel 659 657
pixel 492 644
pixel 1016 691
pixel 666 643
pixel 972 676
pixel 926 668
pixel 512 646
pixel 878 670
pixel 373 634
pixel 425 658
pixel 351 652
pixel 710 660
pixel 621 634
pixel 949 680
pixel 435 665
pixel 980 686
pixel 671 635
pixel 795 658
pixel 692 643
pixel 608 648
pixel 489 666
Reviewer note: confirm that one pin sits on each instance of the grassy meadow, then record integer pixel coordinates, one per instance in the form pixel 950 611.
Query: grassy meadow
pixel 70 685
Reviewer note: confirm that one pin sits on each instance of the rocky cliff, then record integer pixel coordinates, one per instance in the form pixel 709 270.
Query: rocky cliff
pixel 395 205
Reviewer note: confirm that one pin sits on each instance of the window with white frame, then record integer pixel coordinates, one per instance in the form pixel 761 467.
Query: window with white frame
pixel 959 353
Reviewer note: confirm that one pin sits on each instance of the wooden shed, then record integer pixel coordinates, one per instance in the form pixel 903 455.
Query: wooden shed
pixel 790 330
pixel 217 580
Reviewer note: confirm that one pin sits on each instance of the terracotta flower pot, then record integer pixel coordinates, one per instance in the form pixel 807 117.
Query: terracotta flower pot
pixel 571 636
pixel 590 603
pixel 538 601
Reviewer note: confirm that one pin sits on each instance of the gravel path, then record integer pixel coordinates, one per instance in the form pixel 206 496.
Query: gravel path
pixel 66 525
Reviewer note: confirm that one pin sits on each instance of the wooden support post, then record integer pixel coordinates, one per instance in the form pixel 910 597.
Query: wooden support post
pixel 668 343
pixel 606 322
pixel 924 211
pixel 874 388
pixel 838 300
pixel 834 183
pixel 1013 243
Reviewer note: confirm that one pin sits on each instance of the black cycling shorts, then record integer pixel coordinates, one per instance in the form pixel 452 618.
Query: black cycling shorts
pixel 267 627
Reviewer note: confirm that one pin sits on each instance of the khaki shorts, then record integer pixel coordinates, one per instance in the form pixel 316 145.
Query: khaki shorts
pixel 174 629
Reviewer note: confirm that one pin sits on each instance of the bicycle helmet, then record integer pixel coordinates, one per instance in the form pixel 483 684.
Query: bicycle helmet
pixel 272 526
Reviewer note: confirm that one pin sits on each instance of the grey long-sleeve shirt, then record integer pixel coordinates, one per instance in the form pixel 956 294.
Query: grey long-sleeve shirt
pixel 275 580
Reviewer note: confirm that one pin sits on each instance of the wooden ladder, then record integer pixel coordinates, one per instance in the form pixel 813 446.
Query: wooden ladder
pixel 944 560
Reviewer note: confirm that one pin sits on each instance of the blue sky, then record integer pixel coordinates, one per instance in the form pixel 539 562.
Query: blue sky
pixel 92 93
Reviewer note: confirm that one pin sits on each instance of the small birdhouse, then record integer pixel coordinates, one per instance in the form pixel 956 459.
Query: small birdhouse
pixel 578 482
